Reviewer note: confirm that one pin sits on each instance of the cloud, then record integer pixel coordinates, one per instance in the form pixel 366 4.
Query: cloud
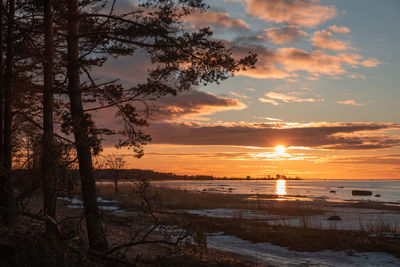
pixel 216 19
pixel 275 98
pixel 323 39
pixel 193 104
pixel 128 69
pixel 265 67
pixel 268 118
pixel 266 100
pixel 288 34
pixel 356 76
pixel 349 102
pixel 384 159
pixel 319 62
pixel 305 13
pixel 281 63
pixel 238 95
pixel 289 62
pixel 336 136
pixel 339 30
pixel 371 62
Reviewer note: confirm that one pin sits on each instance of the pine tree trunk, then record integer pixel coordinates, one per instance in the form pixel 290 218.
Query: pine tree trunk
pixel 1 84
pixel 6 183
pixel 49 153
pixel 97 238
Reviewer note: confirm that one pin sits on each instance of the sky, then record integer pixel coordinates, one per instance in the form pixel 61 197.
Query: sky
pixel 325 87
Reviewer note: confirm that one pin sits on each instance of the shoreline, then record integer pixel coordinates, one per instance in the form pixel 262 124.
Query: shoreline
pixel 291 228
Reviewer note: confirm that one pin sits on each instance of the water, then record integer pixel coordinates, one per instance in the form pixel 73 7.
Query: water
pixel 331 190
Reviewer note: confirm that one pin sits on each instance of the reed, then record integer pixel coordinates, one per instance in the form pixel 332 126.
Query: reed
pixel 181 199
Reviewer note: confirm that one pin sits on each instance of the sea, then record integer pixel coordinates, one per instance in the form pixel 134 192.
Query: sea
pixel 329 190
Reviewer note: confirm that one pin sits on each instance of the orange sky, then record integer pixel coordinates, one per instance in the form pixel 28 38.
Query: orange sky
pixel 326 85
pixel 232 161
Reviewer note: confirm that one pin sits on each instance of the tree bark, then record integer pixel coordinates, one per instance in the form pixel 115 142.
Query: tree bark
pixel 97 238
pixel 6 183
pixel 49 153
pixel 1 84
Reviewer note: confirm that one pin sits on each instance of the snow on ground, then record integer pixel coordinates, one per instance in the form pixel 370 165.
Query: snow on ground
pixel 271 255
pixel 104 204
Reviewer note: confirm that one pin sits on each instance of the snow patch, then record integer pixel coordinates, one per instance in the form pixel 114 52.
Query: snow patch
pixel 271 255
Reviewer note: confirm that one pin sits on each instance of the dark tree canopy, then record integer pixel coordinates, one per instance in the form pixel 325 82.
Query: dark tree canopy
pixel 181 59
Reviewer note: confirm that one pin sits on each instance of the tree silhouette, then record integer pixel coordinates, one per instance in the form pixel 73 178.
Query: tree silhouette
pixel 116 164
pixel 182 59
pixel 63 43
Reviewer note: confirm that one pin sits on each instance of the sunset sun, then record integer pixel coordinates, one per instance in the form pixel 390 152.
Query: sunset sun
pixel 280 149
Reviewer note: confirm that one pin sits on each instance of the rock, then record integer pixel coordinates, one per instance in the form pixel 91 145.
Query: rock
pixel 340 187
pixel 377 195
pixel 361 193
pixel 332 191
pixel 334 218
pixel 351 253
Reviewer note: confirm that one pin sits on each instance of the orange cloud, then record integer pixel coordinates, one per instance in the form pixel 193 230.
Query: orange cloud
pixel 286 63
pixel 284 35
pixel 384 159
pixel 336 136
pixel 323 39
pixel 265 67
pixel 216 19
pixel 294 59
pixel 349 102
pixel 238 95
pixel 318 62
pixel 371 62
pixel 266 100
pixel 306 13
pixel 274 98
pixel 339 30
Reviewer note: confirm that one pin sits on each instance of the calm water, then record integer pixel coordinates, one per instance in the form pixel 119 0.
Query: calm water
pixel 332 190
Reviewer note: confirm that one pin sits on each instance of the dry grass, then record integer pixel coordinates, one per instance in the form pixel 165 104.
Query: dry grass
pixel 180 199
pixel 303 238
pixel 307 236
pixel 162 198
pixel 379 227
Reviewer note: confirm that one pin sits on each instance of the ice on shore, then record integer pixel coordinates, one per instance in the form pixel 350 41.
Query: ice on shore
pixel 76 203
pixel 271 255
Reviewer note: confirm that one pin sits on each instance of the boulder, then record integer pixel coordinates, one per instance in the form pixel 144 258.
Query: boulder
pixel 377 195
pixel 361 193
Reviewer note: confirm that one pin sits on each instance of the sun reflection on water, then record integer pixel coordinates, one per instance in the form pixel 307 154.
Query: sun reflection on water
pixel 281 187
